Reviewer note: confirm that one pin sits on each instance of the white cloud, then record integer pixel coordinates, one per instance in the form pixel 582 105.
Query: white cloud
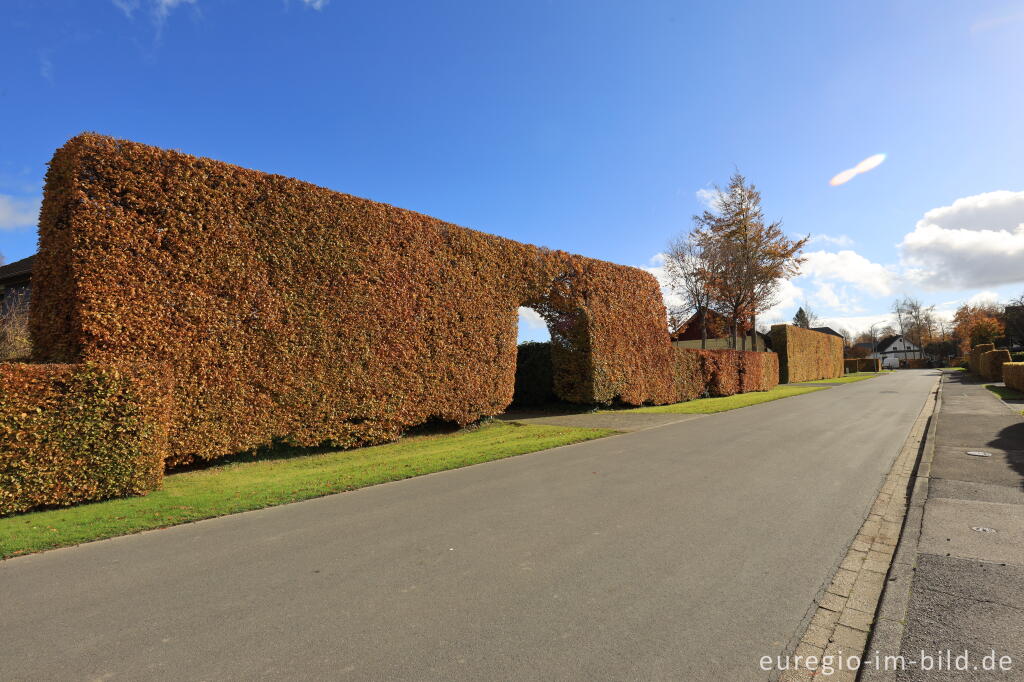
pixel 127 6
pixel 981 297
pixel 656 267
pixel 46 65
pixel 315 4
pixel 15 212
pixel 161 8
pixel 977 241
pixel 850 267
pixel 532 319
pixel 841 241
pixel 708 198
pixel 789 296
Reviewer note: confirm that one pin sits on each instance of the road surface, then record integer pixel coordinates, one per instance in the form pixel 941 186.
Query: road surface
pixel 682 552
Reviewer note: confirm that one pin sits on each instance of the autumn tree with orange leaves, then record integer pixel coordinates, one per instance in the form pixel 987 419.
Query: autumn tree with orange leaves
pixel 974 324
pixel 749 257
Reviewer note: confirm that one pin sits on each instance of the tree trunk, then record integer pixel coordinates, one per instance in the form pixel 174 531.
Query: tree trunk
pixel 753 332
pixel 735 331
pixel 703 330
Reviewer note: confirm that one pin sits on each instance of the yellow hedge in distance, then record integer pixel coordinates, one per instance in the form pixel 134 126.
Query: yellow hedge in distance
pixel 805 355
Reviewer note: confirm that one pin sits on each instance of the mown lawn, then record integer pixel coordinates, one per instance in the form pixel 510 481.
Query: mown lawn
pixel 732 402
pixel 846 379
pixel 1005 392
pixel 276 477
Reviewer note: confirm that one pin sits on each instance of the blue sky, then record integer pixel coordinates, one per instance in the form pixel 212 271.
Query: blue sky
pixel 586 126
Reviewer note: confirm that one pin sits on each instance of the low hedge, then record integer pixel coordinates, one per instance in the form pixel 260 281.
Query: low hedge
pixel 73 433
pixel 991 364
pixel 869 364
pixel 806 355
pixel 1013 375
pixel 715 373
pixel 850 365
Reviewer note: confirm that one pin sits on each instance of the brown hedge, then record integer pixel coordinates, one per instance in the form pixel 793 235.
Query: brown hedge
pixel 288 311
pixel 991 364
pixel 714 373
pixel 869 365
pixel 1013 375
pixel 805 355
pixel 72 433
pixel 974 357
pixel 862 365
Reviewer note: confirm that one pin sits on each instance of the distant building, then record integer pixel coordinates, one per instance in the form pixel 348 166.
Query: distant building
pixel 892 349
pixel 16 283
pixel 829 330
pixel 688 334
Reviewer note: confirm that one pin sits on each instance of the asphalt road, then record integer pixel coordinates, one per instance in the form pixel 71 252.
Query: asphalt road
pixel 683 552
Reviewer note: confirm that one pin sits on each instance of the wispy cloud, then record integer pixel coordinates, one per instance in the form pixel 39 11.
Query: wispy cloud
pixel 46 65
pixel 842 240
pixel 709 198
pixel 126 6
pixel 996 22
pixel 864 166
pixel 18 212
pixel 315 4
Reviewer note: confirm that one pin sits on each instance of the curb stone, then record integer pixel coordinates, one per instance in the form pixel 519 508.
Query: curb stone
pixel 868 595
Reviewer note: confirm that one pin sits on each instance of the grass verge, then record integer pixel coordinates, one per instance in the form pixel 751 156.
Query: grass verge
pixel 1005 393
pixel 276 477
pixel 732 402
pixel 847 379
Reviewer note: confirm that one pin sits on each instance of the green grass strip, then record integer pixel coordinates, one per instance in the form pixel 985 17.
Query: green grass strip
pixel 276 477
pixel 1005 393
pixel 732 402
pixel 847 379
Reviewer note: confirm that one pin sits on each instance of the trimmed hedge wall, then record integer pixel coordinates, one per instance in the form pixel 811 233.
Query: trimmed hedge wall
pixel 714 373
pixel 991 364
pixel 806 355
pixel 869 364
pixel 72 433
pixel 287 311
pixel 1013 375
pixel 974 357
pixel 851 365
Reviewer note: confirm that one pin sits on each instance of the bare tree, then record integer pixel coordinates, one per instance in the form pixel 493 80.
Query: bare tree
pixel 691 267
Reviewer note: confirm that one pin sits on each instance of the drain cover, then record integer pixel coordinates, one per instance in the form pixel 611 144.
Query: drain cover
pixel 983 529
pixel 979 453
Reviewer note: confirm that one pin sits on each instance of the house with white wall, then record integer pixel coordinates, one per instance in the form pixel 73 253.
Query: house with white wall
pixel 892 349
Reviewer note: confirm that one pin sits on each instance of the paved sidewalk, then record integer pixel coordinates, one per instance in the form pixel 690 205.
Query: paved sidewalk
pixel 962 590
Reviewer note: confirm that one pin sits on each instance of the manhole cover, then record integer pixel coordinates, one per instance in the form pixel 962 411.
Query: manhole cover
pixel 983 529
pixel 979 453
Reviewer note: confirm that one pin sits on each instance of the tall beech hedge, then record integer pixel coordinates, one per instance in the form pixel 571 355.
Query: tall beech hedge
pixel 991 364
pixel 805 355
pixel 1013 375
pixel 73 433
pixel 714 373
pixel 288 311
pixel 974 357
